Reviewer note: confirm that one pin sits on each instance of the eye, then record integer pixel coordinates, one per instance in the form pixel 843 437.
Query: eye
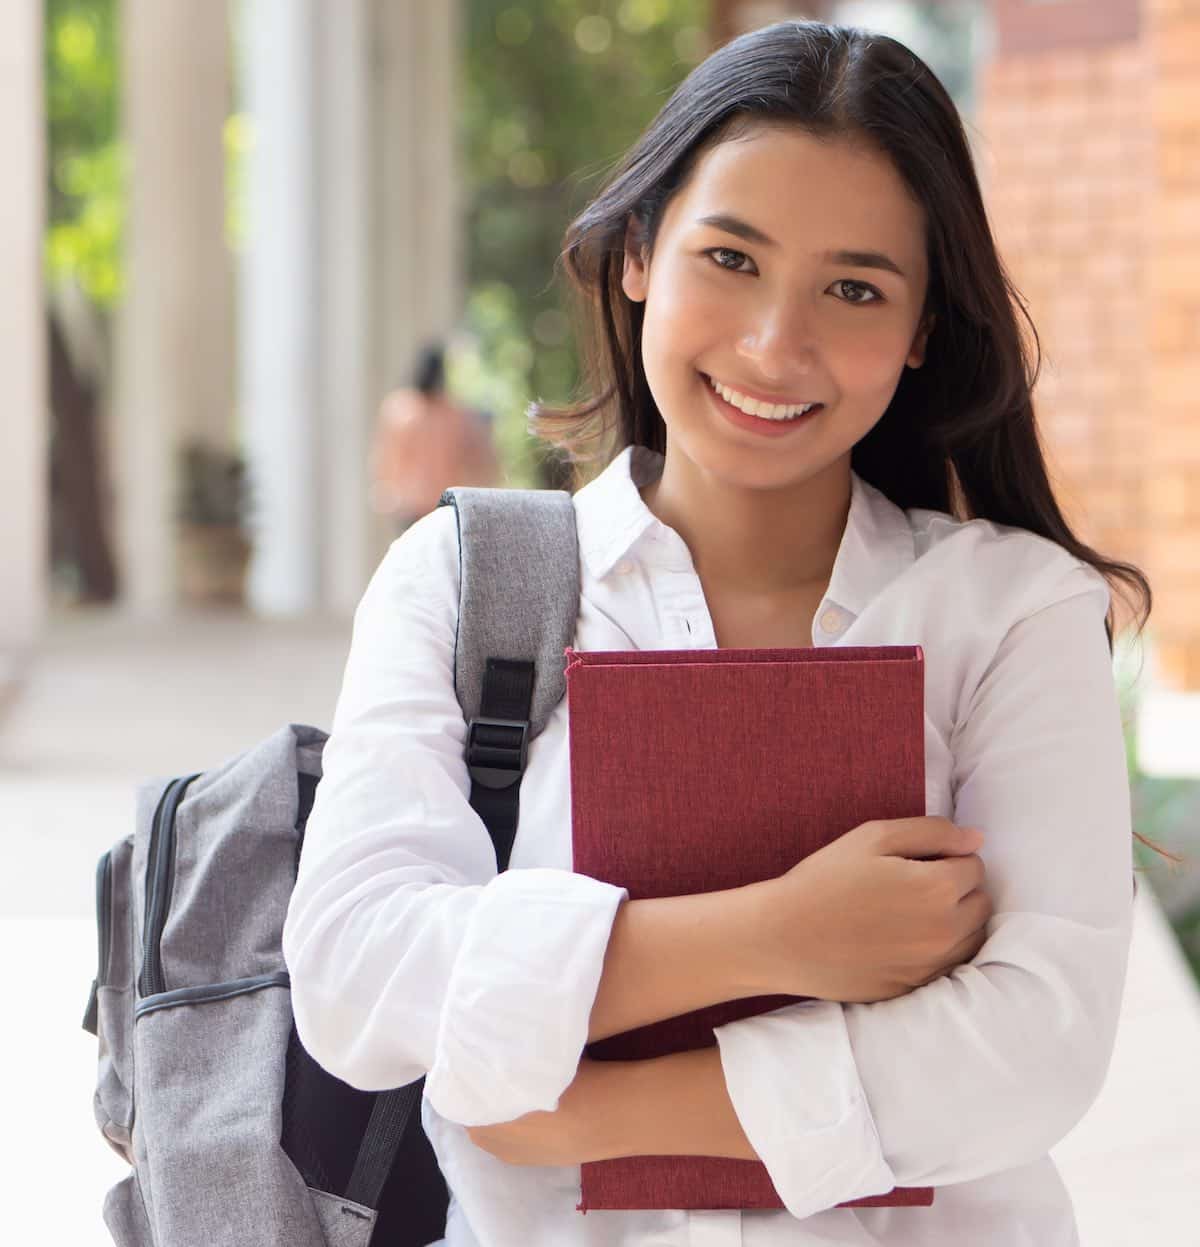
pixel 720 256
pixel 854 290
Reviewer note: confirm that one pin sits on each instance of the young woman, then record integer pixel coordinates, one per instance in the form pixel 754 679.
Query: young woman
pixel 807 355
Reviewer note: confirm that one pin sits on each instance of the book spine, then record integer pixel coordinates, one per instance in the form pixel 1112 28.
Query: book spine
pixel 703 1182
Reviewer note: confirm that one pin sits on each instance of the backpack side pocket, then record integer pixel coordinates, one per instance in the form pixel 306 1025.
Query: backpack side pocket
pixel 110 1008
pixel 125 1215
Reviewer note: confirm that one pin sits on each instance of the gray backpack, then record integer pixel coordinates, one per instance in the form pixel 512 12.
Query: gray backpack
pixel 235 1135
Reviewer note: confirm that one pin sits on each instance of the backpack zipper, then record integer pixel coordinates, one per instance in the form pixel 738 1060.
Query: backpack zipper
pixel 160 880
pixel 104 916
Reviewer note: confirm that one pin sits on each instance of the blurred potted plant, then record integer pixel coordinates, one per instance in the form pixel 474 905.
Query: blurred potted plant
pixel 212 542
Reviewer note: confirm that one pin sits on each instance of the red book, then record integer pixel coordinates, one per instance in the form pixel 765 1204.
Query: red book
pixel 700 770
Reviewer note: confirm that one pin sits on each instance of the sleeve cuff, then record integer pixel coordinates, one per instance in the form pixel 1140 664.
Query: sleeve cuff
pixel 515 1019
pixel 795 1088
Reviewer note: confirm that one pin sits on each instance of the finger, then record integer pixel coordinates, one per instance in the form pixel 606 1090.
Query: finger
pixel 973 913
pixel 963 952
pixel 976 907
pixel 927 837
pixel 964 874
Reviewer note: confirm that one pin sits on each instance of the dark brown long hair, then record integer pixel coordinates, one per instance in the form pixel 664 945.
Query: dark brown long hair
pixel 959 434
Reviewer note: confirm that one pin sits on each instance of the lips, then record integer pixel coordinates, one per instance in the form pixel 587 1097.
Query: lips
pixel 741 399
pixel 761 426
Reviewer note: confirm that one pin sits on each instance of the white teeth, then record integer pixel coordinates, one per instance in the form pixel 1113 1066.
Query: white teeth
pixel 752 406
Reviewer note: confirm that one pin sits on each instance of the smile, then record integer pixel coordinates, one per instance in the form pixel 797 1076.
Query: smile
pixel 758 407
pixel 762 426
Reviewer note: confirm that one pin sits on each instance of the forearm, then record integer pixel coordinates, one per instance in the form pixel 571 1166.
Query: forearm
pixel 670 955
pixel 673 1106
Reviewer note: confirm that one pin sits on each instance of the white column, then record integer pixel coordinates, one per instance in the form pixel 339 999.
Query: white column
pixel 416 226
pixel 23 426
pixel 174 371
pixel 279 373
pixel 347 409
pixel 416 136
pixel 350 264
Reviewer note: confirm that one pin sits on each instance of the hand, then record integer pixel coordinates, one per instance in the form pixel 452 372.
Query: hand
pixel 885 908
pixel 572 1134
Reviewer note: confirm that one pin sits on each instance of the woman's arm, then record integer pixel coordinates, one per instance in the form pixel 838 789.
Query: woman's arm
pixel 670 1106
pixel 987 1068
pixel 409 955
pixel 678 1106
pixel 670 955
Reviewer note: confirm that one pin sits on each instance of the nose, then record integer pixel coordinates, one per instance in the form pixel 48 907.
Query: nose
pixel 780 343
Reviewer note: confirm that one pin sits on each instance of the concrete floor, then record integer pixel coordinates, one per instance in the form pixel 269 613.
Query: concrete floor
pixel 108 702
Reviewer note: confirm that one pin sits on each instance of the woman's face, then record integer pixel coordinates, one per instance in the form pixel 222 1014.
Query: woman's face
pixel 792 270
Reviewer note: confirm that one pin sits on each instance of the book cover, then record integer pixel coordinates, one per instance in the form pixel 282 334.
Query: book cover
pixel 700 770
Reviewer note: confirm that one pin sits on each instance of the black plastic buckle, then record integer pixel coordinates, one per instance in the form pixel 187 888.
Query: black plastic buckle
pixel 497 763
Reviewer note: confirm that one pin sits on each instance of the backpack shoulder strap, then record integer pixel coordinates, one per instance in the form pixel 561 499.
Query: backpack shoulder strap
pixel 518 604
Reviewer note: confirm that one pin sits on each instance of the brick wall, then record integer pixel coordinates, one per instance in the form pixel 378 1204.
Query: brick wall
pixel 1172 469
pixel 1089 148
pixel 1063 152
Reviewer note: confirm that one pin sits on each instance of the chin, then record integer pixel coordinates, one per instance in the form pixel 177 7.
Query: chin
pixel 734 468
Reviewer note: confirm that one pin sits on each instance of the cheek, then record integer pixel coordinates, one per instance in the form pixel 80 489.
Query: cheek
pixel 683 307
pixel 676 332
pixel 870 360
pixel 674 311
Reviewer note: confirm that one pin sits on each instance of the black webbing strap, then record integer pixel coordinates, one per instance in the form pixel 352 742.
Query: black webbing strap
pixel 390 1116
pixel 497 751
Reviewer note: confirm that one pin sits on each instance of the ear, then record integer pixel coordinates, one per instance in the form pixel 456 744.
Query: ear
pixel 916 354
pixel 635 276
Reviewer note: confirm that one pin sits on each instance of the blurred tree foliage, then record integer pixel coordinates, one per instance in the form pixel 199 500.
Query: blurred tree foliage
pixel 552 92
pixel 85 201
pixel 1164 810
pixel 1167 811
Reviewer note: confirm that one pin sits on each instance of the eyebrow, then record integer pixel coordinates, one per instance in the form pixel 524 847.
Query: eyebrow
pixel 751 233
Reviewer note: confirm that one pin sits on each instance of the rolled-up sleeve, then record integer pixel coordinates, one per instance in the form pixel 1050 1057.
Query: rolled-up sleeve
pixel 988 1067
pixel 409 955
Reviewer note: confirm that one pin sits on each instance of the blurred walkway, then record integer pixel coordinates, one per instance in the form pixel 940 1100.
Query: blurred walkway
pixel 109 703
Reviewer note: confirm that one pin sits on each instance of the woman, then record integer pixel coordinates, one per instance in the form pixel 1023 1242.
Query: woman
pixel 807 355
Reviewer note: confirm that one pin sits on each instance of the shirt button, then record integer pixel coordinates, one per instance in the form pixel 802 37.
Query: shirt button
pixel 831 621
pixel 623 568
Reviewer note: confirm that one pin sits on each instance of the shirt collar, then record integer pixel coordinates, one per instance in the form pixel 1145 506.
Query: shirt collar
pixel 876 546
pixel 609 512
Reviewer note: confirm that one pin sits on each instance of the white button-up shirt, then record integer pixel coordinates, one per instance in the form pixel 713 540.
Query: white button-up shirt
pixel 410 955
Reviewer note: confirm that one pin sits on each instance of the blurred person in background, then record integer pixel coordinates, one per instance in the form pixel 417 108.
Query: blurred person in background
pixel 425 442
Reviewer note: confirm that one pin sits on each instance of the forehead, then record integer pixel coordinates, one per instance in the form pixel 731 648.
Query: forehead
pixel 806 192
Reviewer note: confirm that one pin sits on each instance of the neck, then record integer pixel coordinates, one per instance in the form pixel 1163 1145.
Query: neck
pixel 754 541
